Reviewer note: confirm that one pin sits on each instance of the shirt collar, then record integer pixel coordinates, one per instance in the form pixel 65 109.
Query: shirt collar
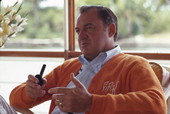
pixel 102 57
pixel 112 53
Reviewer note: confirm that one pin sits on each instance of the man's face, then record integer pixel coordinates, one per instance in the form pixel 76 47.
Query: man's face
pixel 92 34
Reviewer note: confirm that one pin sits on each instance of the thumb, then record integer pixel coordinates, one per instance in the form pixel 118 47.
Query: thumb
pixel 76 82
pixel 44 82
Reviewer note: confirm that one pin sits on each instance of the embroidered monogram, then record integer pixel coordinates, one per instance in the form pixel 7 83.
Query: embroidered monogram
pixel 110 87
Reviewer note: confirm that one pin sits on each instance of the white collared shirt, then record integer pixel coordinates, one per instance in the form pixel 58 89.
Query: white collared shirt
pixel 89 69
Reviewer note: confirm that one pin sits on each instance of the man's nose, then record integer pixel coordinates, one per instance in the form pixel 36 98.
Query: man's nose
pixel 82 34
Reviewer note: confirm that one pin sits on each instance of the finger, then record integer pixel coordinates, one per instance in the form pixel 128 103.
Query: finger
pixel 32 90
pixel 63 107
pixel 57 96
pixel 44 82
pixel 59 90
pixel 76 82
pixel 60 105
pixel 35 92
pixel 58 100
pixel 33 78
pixel 32 84
pixel 42 93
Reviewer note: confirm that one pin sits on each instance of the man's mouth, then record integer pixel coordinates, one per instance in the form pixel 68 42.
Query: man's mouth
pixel 83 44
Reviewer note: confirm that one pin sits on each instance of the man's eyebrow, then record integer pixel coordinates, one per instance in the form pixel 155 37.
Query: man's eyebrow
pixel 88 24
pixel 76 28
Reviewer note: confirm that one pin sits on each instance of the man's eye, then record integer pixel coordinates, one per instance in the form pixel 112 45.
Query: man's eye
pixel 89 29
pixel 77 31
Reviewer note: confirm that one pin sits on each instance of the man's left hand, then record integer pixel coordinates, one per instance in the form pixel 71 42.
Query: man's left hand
pixel 76 99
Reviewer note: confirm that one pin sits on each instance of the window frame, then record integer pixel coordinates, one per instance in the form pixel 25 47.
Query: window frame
pixel 70 52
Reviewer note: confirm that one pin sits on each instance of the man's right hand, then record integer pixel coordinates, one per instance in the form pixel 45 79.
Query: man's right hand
pixel 33 89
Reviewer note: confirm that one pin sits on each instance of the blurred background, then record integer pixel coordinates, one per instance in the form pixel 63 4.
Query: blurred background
pixel 144 26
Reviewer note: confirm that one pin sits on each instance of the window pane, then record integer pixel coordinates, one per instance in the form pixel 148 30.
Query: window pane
pixel 143 25
pixel 45 25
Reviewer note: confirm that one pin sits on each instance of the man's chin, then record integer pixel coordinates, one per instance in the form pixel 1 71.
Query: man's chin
pixel 88 56
pixel 85 52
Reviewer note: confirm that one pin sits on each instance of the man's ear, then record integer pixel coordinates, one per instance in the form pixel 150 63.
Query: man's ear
pixel 112 30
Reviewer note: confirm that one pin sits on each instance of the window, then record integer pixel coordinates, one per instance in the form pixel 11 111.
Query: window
pixel 143 25
pixel 45 28
pixel 42 42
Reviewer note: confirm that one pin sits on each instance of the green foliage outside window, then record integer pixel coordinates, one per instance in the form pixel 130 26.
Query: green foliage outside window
pixel 135 17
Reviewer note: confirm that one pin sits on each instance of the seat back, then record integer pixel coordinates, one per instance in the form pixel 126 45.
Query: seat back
pixel 163 74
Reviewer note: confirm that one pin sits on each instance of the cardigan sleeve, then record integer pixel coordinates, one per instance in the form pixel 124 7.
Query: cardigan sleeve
pixel 18 96
pixel 58 77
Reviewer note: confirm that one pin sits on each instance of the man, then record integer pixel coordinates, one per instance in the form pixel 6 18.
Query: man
pixel 103 80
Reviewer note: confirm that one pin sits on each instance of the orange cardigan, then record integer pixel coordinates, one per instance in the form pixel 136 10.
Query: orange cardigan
pixel 126 84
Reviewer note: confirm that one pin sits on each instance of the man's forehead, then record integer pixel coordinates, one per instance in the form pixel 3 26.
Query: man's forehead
pixel 87 18
pixel 91 13
pixel 86 22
